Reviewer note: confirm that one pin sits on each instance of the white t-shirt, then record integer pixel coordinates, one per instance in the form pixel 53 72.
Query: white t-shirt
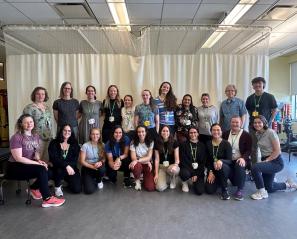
pixel 141 149
pixel 234 141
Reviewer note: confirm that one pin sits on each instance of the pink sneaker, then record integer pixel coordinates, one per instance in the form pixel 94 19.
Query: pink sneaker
pixel 53 202
pixel 35 194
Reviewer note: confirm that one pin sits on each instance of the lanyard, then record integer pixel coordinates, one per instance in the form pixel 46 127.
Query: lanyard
pixel 193 152
pixel 233 139
pixel 111 110
pixel 165 154
pixel 257 104
pixel 215 155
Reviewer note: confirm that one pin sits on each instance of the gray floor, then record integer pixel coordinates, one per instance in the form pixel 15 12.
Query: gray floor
pixel 115 212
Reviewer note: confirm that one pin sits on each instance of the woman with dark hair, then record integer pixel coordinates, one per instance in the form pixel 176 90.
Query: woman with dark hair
pixel 63 154
pixel 117 153
pixel 66 108
pixel 141 150
pixel 186 116
pixel 219 155
pixel 128 116
pixel 25 163
pixel 147 114
pixel 112 105
pixel 192 162
pixel 271 161
pixel 208 115
pixel 166 102
pixel 42 116
pixel 166 159
pixel 89 110
pixel 92 159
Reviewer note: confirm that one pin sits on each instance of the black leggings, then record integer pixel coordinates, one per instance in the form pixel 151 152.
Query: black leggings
pixel 90 178
pixel 112 174
pixel 74 184
pixel 21 171
pixel 198 186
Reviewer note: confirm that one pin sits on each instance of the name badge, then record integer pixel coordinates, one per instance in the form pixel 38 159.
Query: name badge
pixel 233 151
pixel 187 122
pixel 195 165
pixel 255 113
pixel 147 123
pixel 91 121
pixel 207 125
pixel 165 163
pixel 111 118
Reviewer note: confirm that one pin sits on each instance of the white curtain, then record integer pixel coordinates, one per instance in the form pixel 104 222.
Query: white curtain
pixel 193 74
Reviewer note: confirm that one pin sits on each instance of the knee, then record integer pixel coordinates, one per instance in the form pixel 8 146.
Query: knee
pixel 184 174
pixel 198 188
pixel 88 190
pixel 210 188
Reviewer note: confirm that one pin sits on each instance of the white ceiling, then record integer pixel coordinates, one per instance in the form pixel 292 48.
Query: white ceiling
pixel 156 12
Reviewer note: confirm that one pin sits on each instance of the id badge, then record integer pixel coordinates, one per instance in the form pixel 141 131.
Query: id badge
pixel 207 125
pixel 167 116
pixel 255 113
pixel 195 165
pixel 187 122
pixel 233 151
pixel 111 118
pixel 165 163
pixel 91 121
pixel 146 123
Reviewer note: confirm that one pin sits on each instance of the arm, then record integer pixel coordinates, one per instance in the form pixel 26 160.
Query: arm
pixel 157 122
pixel 147 158
pixel 72 156
pixel 243 117
pixel 276 150
pixel 83 162
pixel 56 113
pixel 221 115
pixel 17 155
pixel 157 163
pixel 176 156
pixel 125 154
pixel 136 120
pixel 54 154
pixel 273 114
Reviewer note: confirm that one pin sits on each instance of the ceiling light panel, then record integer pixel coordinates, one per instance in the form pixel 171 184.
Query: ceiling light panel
pixel 72 10
pixel 280 13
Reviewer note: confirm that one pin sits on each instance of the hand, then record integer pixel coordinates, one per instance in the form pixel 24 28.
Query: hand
pixel 98 164
pixel 241 162
pixel 116 165
pixel 150 166
pixel 194 179
pixel 70 170
pixel 156 178
pixel 132 164
pixel 211 178
pixel 218 165
pixel 44 164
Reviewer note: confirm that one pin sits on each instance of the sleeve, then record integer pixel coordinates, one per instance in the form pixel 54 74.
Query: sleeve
pixel 136 110
pixel 56 105
pixel 84 147
pixel 221 113
pixel 54 155
pixel 132 147
pixel 242 110
pixel 16 141
pixel 175 144
pixel 107 148
pixel 156 111
pixel 273 102
pixel 76 103
pixel 248 104
pixel 127 140
pixel 72 155
pixel 202 160
pixel 195 121
pixel 228 152
pixel 151 145
pixel 80 109
pixel 209 157
pixel 185 162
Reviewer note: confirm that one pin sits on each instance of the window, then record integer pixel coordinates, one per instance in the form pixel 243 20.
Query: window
pixel 293 76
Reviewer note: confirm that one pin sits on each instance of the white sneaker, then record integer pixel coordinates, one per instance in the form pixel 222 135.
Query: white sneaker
pixel 173 182
pixel 291 185
pixel 137 184
pixel 185 187
pixel 58 191
pixel 100 185
pixel 260 194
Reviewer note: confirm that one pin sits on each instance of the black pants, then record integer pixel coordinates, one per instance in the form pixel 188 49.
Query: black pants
pixel 20 171
pixel 220 180
pixel 90 178
pixel 74 183
pixel 112 174
pixel 198 186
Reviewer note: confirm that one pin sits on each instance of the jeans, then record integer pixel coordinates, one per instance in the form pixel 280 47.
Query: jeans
pixel 235 173
pixel 264 172
pixel 112 174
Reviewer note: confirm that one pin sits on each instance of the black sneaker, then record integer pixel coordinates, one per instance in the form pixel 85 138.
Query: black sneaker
pixel 225 195
pixel 128 183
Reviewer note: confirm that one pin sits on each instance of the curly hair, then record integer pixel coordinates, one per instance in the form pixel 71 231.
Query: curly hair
pixel 19 124
pixel 170 98
pixel 148 140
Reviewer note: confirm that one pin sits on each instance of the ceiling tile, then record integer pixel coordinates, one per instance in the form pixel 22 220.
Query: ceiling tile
pixel 220 2
pixel 24 1
pixel 96 1
pixel 182 1
pixel 64 1
pixel 102 13
pixel 10 15
pixel 287 2
pixel 182 11
pixel 144 11
pixel 213 11
pixel 81 21
pixel 266 1
pixel 41 13
pixel 145 1
pixel 254 13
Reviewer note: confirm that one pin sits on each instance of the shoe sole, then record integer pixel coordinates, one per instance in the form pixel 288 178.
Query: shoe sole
pixel 52 205
pixel 228 198
pixel 238 199
pixel 32 195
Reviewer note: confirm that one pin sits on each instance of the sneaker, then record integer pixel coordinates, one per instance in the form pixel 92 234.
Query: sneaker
pixel 137 185
pixel 173 182
pixel 100 185
pixel 128 183
pixel 35 194
pixel 225 195
pixel 238 195
pixel 58 191
pixel 291 185
pixel 260 194
pixel 185 187
pixel 53 202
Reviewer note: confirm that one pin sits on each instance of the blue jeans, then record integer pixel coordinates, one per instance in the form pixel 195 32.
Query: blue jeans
pixel 264 172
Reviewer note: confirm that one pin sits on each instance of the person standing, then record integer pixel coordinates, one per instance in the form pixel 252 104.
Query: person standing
pixel 66 109
pixel 259 103
pixel 230 107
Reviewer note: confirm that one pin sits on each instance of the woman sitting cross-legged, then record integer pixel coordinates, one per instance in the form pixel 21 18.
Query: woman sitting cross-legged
pixel 92 159
pixel 192 162
pixel 141 155
pixel 166 159
pixel 63 154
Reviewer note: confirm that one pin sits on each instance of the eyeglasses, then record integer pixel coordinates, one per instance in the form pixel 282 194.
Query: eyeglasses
pixel 67 88
pixel 66 130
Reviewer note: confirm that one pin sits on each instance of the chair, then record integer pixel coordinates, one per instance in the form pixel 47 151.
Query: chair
pixel 3 179
pixel 291 144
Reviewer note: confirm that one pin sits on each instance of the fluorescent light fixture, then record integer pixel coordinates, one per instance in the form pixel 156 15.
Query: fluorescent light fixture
pixel 119 13
pixel 237 12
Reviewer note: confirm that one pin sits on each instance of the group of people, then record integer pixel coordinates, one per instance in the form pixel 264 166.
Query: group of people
pixel 156 141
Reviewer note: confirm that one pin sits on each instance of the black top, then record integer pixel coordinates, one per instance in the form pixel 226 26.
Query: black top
pixel 187 152
pixel 163 152
pixel 222 152
pixel 263 104
pixel 56 154
pixel 113 110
